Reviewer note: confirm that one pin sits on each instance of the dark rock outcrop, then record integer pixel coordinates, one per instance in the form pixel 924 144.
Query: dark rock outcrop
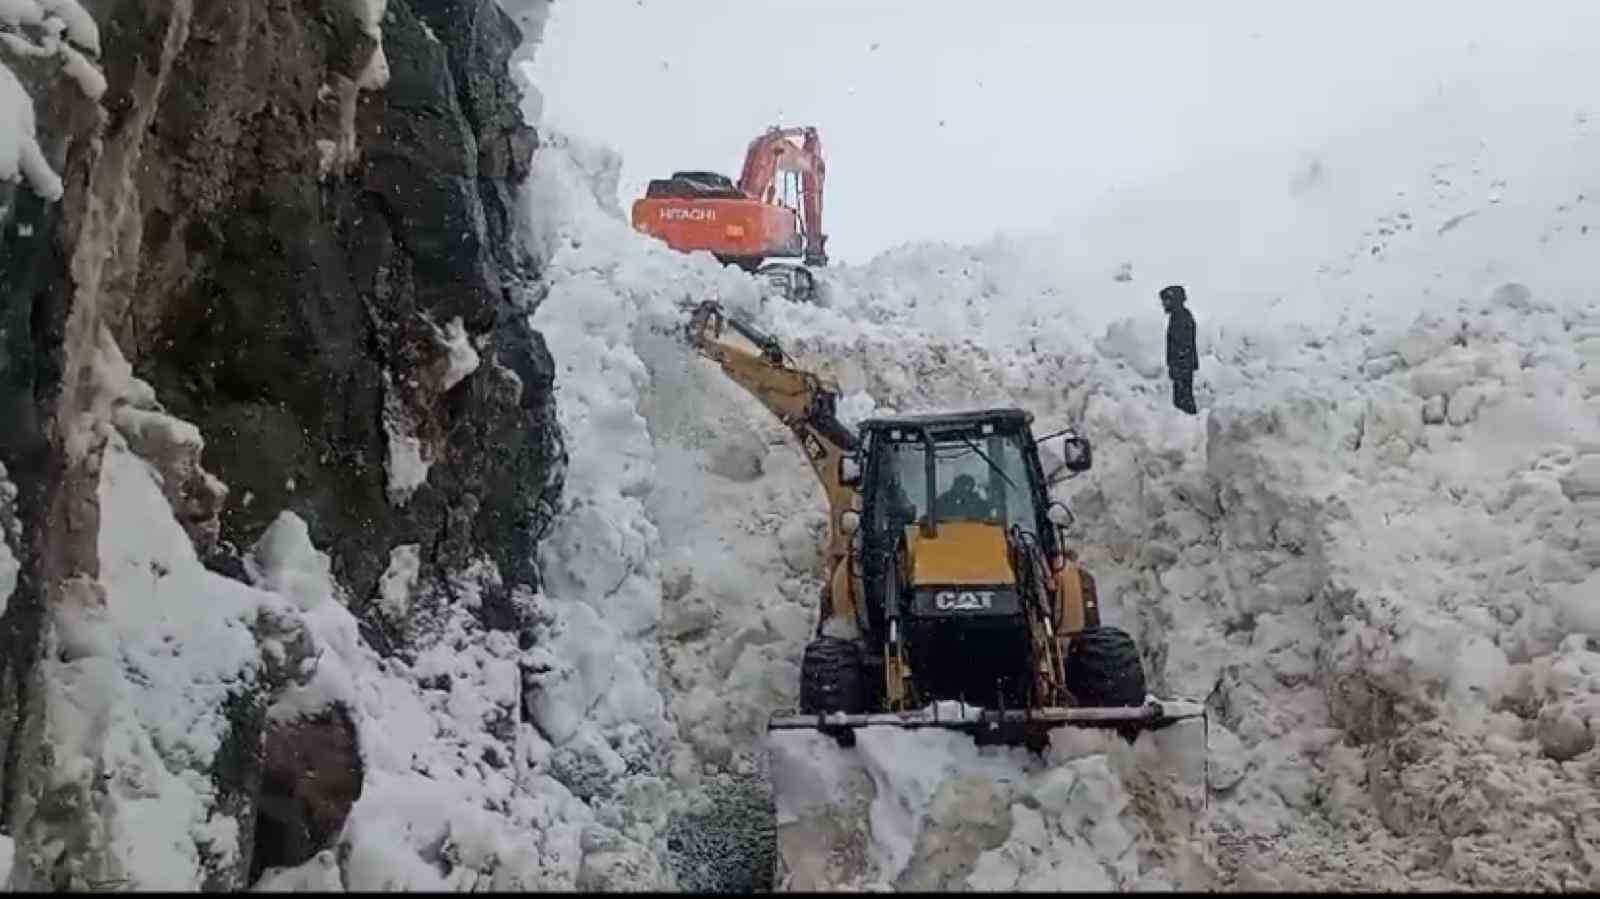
pixel 318 272
pixel 311 776
pixel 289 315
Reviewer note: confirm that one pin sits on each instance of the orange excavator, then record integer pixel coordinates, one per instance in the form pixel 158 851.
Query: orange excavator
pixel 775 211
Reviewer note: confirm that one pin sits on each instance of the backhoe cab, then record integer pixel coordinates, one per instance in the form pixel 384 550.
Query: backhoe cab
pixel 952 598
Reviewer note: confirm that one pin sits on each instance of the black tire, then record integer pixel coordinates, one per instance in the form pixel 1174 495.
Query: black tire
pixel 1102 668
pixel 831 677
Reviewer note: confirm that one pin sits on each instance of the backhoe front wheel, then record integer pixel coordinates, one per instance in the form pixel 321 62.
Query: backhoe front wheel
pixel 1103 668
pixel 832 679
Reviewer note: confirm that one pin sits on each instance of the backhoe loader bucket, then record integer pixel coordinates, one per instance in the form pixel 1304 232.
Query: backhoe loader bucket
pixel 1010 727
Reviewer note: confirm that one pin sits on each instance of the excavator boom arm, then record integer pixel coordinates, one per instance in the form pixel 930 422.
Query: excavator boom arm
pixel 775 151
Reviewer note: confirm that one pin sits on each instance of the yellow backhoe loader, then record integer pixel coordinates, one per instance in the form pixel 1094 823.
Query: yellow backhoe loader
pixel 951 598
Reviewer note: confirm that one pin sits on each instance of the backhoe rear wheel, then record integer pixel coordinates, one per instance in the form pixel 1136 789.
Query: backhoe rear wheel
pixel 832 680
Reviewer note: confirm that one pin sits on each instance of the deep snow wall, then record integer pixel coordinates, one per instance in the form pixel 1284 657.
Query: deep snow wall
pixel 287 227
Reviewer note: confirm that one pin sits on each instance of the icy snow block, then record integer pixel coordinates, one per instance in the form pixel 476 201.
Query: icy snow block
pixel 1382 365
pixel 1464 405
pixel 1578 605
pixel 1561 734
pixel 1055 791
pixel 740 457
pixel 1433 411
pixel 1582 480
pixel 1098 793
pixel 1444 375
pixel 801 546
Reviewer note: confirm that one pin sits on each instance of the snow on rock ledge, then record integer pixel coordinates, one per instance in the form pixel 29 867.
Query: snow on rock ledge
pixel 44 29
pixel 137 683
pixel 159 650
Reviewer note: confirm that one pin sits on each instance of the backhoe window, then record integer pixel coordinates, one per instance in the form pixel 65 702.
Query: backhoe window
pixel 976 478
pixel 904 496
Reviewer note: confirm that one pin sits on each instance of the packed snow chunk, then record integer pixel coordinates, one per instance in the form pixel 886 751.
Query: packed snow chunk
pixel 591 672
pixel 1443 375
pixel 462 357
pixel 801 541
pixel 81 27
pixel 1135 345
pixel 1562 734
pixel 967 817
pixel 88 75
pixel 1480 672
pixel 1582 480
pixel 1578 606
pixel 399 581
pixel 408 463
pixel 369 13
pixel 286 562
pixel 319 874
pixel 1464 404
pixel 45 21
pixel 908 769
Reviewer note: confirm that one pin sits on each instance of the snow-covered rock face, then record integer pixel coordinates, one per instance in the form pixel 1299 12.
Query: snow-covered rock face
pixel 59 34
pixel 183 645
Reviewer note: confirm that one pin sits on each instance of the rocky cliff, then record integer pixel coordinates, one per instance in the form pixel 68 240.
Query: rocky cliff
pixel 286 223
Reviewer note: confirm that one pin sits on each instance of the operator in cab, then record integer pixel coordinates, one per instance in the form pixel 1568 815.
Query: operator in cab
pixel 962 500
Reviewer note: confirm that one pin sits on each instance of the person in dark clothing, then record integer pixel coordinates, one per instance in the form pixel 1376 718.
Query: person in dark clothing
pixel 1182 357
pixel 962 500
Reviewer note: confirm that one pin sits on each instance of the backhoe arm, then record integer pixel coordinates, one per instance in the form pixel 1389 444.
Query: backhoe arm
pixel 800 399
pixel 804 402
pixel 775 151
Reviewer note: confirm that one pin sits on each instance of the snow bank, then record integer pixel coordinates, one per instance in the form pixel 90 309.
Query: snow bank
pixel 149 658
pixel 137 683
pixel 42 28
pixel 455 793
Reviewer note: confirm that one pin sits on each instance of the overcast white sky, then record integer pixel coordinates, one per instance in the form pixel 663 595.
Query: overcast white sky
pixel 946 120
